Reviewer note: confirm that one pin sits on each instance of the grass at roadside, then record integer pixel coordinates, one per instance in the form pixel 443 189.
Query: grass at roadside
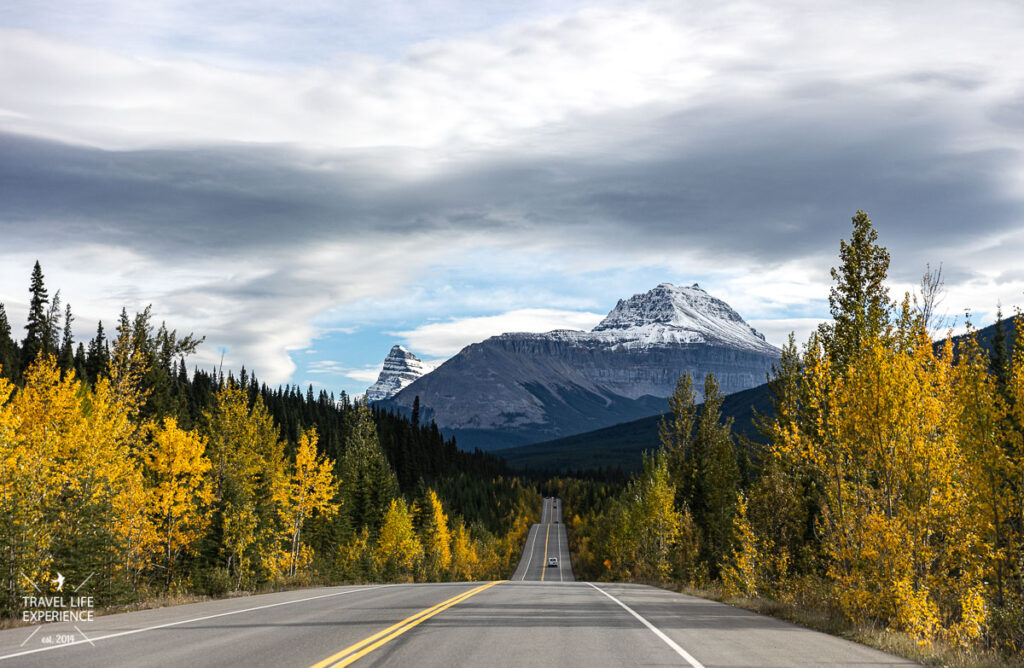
pixel 830 621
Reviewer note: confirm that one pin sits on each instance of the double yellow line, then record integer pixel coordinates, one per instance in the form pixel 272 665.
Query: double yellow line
pixel 360 649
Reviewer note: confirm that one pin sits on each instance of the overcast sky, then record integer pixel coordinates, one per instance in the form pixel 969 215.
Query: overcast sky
pixel 307 186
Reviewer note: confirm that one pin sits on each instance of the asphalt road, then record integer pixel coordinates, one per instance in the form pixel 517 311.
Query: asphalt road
pixel 515 623
pixel 545 540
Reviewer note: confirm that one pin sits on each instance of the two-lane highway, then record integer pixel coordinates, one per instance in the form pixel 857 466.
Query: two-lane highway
pixel 528 621
pixel 546 540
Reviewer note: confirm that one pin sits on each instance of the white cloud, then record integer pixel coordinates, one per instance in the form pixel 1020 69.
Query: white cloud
pixel 710 139
pixel 444 339
pixel 366 375
pixel 776 331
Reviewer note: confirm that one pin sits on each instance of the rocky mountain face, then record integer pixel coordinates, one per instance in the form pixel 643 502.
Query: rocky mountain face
pixel 521 388
pixel 401 368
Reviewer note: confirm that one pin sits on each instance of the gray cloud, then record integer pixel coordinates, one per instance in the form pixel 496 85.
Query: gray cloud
pixel 736 140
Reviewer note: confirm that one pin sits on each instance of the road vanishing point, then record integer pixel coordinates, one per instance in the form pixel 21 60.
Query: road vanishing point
pixel 539 617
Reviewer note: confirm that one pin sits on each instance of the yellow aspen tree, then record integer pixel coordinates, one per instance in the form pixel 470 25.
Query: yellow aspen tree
pixel 110 470
pixel 248 472
pixel 896 521
pixel 23 533
pixel 398 550
pixel 179 492
pixel 435 537
pixel 647 525
pixel 984 421
pixel 1014 435
pixel 464 561
pixel 741 569
pixel 48 415
pixel 311 491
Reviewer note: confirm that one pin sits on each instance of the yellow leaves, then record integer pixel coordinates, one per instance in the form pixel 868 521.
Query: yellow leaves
pixel 915 610
pixel 740 572
pixel 464 558
pixel 311 490
pixel 398 548
pixel 892 435
pixel 180 491
pixel 436 538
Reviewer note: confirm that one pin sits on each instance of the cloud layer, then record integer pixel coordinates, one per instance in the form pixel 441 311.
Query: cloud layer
pixel 262 197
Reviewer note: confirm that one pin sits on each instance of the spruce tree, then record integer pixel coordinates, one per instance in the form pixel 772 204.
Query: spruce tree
pixel 715 477
pixel 97 360
pixel 66 360
pixel 368 483
pixel 37 328
pixel 859 300
pixel 677 435
pixel 80 361
pixel 51 344
pixel 9 366
pixel 999 359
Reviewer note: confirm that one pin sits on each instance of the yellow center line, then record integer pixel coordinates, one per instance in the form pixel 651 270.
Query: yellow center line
pixel 360 649
pixel 545 569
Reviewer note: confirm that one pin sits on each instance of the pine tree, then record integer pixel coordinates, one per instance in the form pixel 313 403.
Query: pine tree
pixel 37 327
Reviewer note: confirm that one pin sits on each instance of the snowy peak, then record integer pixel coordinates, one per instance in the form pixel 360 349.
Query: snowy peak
pixel 401 368
pixel 670 306
pixel 671 314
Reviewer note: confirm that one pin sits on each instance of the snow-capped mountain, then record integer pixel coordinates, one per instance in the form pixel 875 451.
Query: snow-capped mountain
pixel 401 368
pixel 670 314
pixel 523 387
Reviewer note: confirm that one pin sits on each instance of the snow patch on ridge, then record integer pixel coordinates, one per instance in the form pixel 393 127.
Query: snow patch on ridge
pixel 401 368
pixel 666 316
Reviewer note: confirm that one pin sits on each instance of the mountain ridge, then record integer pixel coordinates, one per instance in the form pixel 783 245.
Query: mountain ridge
pixel 519 387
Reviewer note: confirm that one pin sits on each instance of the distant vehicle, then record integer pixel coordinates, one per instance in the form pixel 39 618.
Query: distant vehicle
pixel 552 561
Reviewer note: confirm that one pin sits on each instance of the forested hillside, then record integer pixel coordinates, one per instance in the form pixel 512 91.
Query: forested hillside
pixel 119 466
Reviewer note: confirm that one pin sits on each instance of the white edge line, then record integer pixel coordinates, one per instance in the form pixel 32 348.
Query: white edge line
pixel 529 559
pixel 188 621
pixel 668 641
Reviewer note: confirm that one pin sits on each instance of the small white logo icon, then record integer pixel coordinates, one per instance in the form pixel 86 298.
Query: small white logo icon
pixel 59 582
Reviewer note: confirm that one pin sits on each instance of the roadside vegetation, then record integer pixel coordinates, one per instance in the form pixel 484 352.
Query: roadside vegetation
pixel 119 468
pixel 887 505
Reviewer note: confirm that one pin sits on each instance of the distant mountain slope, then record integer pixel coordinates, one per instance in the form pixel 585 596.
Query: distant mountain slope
pixel 622 445
pixel 523 387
